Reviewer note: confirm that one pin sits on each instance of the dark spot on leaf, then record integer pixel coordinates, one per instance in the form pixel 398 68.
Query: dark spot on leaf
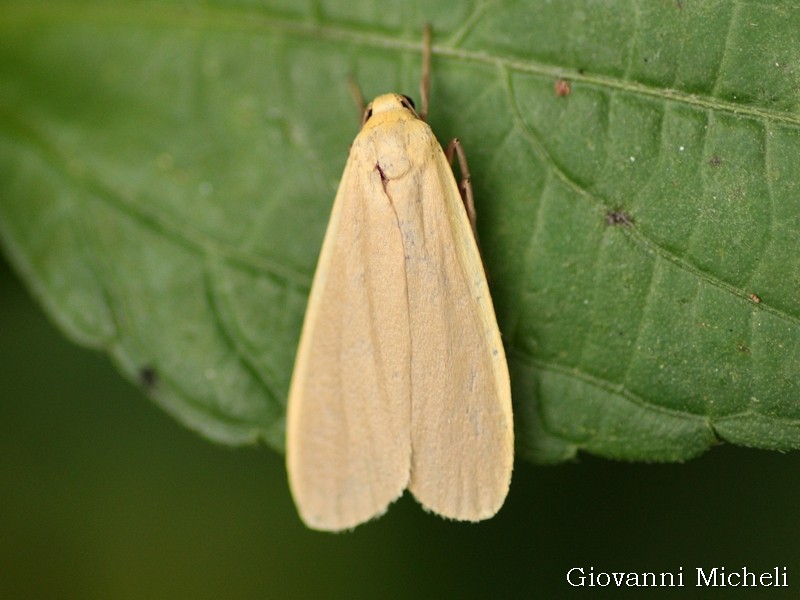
pixel 618 217
pixel 148 378
pixel 715 161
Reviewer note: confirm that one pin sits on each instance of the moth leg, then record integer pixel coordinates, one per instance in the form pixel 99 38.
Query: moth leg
pixel 465 186
pixel 425 82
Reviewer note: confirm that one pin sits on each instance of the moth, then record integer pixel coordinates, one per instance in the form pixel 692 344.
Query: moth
pixel 400 379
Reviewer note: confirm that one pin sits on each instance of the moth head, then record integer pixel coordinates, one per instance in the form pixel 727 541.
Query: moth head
pixel 389 102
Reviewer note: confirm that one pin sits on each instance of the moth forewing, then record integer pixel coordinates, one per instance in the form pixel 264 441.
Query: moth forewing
pixel 348 442
pixel 461 424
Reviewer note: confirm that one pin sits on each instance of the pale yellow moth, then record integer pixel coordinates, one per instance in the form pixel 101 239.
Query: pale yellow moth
pixel 400 379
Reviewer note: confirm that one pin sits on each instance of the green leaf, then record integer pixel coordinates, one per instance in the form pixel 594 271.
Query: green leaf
pixel 168 170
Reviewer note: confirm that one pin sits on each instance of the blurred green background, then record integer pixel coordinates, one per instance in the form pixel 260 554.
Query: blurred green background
pixel 102 495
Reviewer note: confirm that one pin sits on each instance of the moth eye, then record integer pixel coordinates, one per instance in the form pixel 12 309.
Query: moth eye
pixel 367 114
pixel 407 102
